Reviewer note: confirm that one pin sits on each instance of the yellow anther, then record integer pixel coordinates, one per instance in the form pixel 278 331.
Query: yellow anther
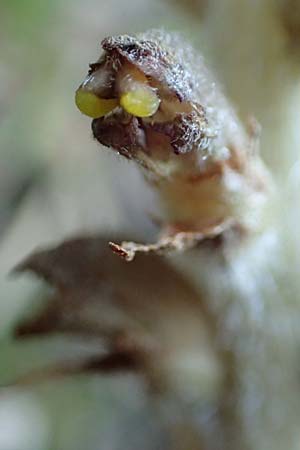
pixel 93 106
pixel 140 102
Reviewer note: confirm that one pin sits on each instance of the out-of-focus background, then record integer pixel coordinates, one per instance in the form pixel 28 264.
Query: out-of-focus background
pixel 55 181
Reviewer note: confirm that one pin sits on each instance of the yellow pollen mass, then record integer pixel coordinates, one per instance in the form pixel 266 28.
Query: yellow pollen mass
pixel 140 102
pixel 93 106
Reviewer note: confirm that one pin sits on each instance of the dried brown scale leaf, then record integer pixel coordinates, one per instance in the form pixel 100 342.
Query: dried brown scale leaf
pixel 118 134
pixel 183 133
pixel 126 306
pixel 153 59
pixel 86 266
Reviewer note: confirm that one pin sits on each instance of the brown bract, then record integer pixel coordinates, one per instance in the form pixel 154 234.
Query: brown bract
pixel 133 309
pixel 156 57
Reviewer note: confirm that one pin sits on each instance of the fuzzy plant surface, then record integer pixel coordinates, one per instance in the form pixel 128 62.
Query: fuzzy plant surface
pixel 208 315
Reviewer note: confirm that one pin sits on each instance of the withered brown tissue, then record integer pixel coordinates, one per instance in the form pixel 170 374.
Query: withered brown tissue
pixel 135 309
